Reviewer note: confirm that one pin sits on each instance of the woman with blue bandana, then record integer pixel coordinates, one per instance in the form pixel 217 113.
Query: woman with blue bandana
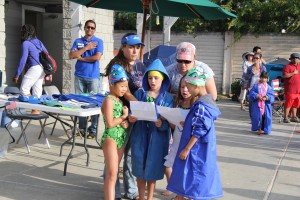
pixel 115 121
pixel 195 172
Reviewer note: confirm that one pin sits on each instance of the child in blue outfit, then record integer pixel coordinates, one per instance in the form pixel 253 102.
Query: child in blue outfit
pixel 150 140
pixel 195 172
pixel 262 97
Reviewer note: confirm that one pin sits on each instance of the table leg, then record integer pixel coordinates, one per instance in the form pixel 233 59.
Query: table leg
pixel 73 145
pixel 84 143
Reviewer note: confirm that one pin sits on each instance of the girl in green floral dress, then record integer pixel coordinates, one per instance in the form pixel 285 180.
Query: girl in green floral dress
pixel 115 121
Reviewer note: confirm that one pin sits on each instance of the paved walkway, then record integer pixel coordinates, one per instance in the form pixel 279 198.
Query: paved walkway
pixel 252 167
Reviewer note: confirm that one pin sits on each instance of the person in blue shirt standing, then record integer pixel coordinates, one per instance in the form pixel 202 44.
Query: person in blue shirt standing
pixel 88 51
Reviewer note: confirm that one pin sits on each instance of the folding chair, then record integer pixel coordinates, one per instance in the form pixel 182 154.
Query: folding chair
pixel 15 113
pixel 51 90
pixel 278 104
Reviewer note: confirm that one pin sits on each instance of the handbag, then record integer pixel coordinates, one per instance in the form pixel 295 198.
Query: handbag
pixel 46 61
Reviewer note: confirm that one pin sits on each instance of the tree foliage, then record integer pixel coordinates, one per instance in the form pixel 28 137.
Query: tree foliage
pixel 253 16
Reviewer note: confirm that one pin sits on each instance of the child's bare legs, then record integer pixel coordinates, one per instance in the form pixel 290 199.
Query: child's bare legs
pixel 141 183
pixel 112 156
pixel 150 189
pixel 168 173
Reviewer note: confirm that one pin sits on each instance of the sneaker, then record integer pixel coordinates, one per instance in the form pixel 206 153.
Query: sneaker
pixel 286 120
pixel 91 135
pixel 80 133
pixel 295 119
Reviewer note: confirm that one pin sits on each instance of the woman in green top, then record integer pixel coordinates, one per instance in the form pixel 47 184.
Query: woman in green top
pixel 115 120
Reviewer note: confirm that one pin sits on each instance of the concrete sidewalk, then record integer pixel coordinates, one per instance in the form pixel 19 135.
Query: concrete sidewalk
pixel 252 167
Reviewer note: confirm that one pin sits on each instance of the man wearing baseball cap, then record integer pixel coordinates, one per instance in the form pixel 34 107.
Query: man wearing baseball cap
pixel 185 57
pixel 292 88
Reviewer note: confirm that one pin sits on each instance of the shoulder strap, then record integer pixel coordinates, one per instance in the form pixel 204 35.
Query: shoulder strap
pixel 32 56
pixel 36 45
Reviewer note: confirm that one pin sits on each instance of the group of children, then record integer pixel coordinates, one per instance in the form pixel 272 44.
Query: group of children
pixel 192 156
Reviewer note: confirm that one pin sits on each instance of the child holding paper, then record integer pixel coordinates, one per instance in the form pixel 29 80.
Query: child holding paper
pixel 183 101
pixel 115 120
pixel 195 172
pixel 150 140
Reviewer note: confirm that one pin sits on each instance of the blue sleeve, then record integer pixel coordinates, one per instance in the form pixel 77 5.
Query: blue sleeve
pixel 270 95
pixel 253 93
pixel 74 47
pixel 100 46
pixel 24 56
pixel 199 126
pixel 249 73
pixel 44 48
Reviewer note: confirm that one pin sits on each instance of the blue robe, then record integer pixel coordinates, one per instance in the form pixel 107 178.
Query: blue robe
pixel 149 144
pixel 256 117
pixel 198 176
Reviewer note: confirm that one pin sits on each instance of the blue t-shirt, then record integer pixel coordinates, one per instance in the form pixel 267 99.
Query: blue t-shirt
pixel 88 70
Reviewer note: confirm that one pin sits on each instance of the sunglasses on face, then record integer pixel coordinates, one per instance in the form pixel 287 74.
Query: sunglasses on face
pixel 184 61
pixel 90 27
pixel 256 58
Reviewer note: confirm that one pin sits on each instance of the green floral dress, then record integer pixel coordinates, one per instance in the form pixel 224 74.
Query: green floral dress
pixel 117 133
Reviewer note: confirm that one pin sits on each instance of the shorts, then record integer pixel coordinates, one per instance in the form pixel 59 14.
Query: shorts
pixel 292 100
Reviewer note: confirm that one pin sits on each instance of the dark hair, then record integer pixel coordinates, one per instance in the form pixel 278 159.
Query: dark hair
pixel 90 21
pixel 258 54
pixel 264 75
pixel 179 97
pixel 256 48
pixel 119 59
pixel 27 31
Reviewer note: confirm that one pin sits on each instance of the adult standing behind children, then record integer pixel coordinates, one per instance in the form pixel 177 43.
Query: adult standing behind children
pixel 195 171
pixel 292 88
pixel 256 50
pixel 127 57
pixel 34 77
pixel 150 140
pixel 88 51
pixel 185 57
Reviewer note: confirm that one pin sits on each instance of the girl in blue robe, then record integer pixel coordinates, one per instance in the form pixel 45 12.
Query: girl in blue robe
pixel 150 140
pixel 262 97
pixel 195 172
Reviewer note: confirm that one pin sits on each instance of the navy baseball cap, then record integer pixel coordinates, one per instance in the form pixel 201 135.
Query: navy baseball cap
pixel 294 55
pixel 132 40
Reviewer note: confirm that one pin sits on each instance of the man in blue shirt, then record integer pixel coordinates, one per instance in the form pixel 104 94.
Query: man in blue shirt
pixel 88 51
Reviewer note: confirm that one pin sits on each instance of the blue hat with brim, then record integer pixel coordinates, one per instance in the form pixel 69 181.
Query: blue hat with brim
pixel 132 40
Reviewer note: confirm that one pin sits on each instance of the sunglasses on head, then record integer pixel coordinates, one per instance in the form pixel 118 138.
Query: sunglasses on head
pixel 184 61
pixel 90 27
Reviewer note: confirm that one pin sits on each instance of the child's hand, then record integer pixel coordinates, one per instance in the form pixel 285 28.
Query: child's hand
pixel 162 118
pixel 125 111
pixel 183 154
pixel 182 123
pixel 132 118
pixel 158 123
pixel 125 124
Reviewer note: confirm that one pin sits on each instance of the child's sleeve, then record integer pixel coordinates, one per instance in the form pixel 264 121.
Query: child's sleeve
pixel 201 122
pixel 270 95
pixel 253 93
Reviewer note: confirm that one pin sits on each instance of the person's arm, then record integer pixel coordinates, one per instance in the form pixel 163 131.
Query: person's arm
pixel 22 62
pixel 185 152
pixel 129 97
pixel 288 75
pixel 107 110
pixel 210 87
pixel 263 61
pixel 76 54
pixel 93 58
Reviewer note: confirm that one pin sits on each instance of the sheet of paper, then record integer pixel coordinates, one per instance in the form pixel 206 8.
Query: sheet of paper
pixel 143 110
pixel 173 115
